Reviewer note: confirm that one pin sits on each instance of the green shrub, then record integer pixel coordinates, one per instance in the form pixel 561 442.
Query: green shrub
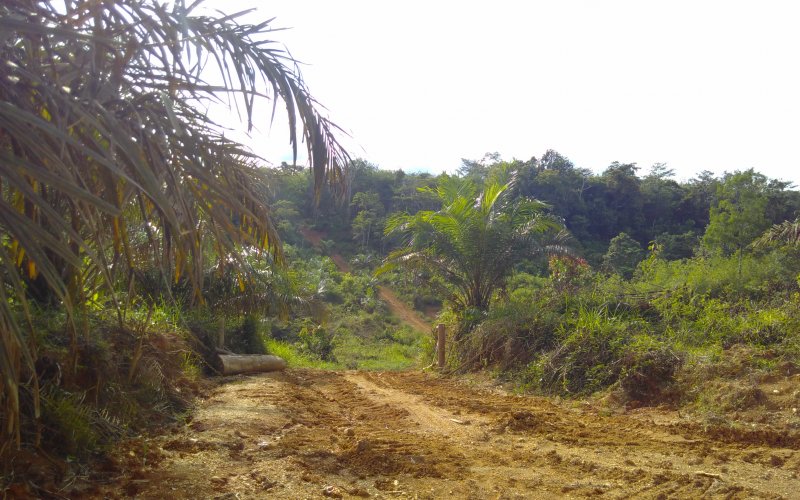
pixel 513 332
pixel 755 277
pixel 247 337
pixel 405 335
pixel 763 327
pixel 648 374
pixel 695 321
pixel 589 355
pixel 316 340
pixel 296 357
pixel 68 424
pixel 422 302
pixel 332 293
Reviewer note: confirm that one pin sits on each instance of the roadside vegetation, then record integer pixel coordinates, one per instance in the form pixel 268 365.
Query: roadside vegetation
pixel 631 288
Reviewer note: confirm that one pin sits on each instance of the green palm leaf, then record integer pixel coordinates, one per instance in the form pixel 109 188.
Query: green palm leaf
pixel 475 239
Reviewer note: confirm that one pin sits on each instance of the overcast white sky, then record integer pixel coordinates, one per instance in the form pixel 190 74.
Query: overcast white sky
pixel 699 85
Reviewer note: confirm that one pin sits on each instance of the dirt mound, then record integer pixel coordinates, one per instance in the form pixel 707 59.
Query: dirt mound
pixel 518 421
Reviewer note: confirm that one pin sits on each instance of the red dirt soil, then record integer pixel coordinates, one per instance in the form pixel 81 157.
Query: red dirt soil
pixel 316 434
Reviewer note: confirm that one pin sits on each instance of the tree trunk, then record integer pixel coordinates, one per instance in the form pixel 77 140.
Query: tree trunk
pixel 739 273
pixel 232 364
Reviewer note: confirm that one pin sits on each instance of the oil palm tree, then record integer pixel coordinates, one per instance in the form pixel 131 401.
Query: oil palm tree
pixel 108 161
pixel 476 239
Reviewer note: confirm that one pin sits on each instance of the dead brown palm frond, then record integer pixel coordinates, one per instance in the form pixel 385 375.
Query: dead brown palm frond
pixel 787 232
pixel 107 164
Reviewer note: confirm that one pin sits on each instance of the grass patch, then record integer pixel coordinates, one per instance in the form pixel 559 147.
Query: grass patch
pixel 295 357
pixel 356 353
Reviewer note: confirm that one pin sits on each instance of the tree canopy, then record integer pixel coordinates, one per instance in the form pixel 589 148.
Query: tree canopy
pixel 739 214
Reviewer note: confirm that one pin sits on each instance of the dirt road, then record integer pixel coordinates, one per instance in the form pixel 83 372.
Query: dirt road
pixel 315 434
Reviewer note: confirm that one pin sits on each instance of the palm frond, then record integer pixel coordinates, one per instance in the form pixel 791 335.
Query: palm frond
pixel 475 239
pixel 108 164
pixel 787 232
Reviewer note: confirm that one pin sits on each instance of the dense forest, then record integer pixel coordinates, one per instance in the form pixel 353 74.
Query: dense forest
pixel 134 236
pixel 647 206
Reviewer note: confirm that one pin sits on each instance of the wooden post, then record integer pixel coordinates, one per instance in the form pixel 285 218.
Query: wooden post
pixel 440 342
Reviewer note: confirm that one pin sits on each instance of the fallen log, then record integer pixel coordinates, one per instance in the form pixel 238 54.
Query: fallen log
pixel 232 364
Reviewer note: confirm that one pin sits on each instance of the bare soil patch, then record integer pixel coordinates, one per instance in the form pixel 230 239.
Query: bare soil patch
pixel 401 310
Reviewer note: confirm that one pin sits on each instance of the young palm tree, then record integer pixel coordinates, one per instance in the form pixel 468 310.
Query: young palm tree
pixel 109 163
pixel 474 241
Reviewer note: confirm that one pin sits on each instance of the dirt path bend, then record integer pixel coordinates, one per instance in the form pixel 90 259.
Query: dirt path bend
pixel 396 306
pixel 402 311
pixel 316 434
